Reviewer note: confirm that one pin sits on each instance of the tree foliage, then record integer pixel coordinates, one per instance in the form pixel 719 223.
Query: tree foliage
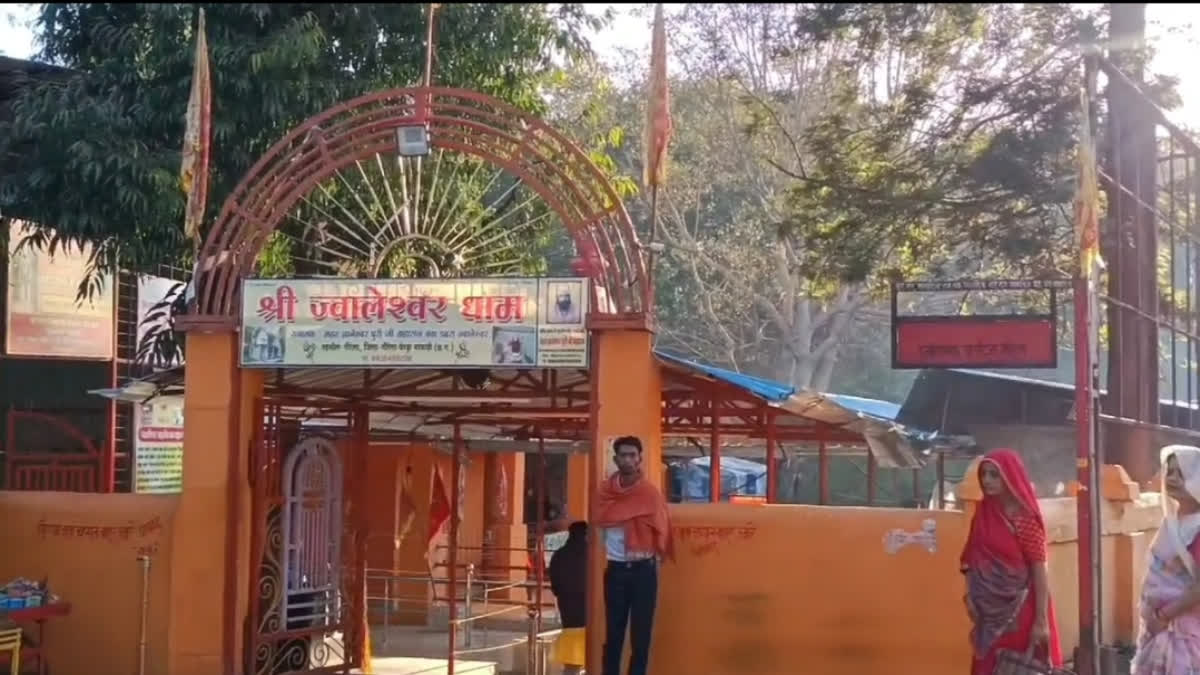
pixel 96 158
pixel 822 150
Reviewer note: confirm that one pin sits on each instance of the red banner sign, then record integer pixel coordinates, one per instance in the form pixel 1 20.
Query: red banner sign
pixel 974 342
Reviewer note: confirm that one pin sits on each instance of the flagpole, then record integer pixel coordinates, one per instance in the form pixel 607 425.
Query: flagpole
pixel 1086 388
pixel 433 7
pixel 653 234
pixel 657 137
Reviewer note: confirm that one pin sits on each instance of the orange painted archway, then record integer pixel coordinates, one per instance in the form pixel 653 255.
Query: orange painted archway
pixel 549 164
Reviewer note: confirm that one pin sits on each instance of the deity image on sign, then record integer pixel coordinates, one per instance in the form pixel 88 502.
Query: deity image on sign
pixel 263 344
pixel 514 345
pixel 564 302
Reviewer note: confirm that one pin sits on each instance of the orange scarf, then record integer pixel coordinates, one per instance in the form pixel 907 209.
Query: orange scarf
pixel 641 510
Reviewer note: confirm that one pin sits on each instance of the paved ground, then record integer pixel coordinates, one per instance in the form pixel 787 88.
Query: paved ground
pixel 403 665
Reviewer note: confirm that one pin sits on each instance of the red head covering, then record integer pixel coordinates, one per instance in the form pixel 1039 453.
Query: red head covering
pixel 999 550
pixel 989 515
pixel 1012 469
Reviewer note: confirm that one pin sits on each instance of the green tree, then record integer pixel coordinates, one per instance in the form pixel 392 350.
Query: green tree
pixel 822 150
pixel 96 158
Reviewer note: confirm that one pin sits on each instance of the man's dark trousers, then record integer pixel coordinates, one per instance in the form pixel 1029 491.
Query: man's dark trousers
pixel 630 594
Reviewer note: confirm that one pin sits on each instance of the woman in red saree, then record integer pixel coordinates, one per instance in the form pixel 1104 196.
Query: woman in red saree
pixel 1004 562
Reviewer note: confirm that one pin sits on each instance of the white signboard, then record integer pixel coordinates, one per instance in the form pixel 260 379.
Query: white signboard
pixel 388 323
pixel 158 447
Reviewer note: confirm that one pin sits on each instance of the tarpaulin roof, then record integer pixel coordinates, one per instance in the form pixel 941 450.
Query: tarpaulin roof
pixel 875 420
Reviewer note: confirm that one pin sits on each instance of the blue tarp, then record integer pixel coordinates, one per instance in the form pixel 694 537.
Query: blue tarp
pixel 772 391
pixel 778 392
pixel 875 420
pixel 884 410
pixel 738 477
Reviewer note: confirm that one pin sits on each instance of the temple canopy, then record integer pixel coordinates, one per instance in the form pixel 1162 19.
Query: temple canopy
pixel 500 408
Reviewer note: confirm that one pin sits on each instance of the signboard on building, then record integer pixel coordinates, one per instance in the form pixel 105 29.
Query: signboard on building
pixel 158 446
pixel 389 323
pixel 1028 340
pixel 44 318
pixel 976 342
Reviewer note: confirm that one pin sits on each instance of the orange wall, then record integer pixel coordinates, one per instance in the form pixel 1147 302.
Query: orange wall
pixel 824 588
pixel 387 466
pixel 101 577
pixel 824 593
pixel 470 533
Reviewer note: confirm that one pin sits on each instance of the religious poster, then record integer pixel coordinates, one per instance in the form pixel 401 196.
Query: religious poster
pixel 45 317
pixel 158 446
pixel 387 323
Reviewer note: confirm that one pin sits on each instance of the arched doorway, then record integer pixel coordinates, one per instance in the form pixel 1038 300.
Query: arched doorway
pixel 386 212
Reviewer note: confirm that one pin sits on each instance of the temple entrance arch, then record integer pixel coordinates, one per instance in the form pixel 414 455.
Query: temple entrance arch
pixel 384 214
pixel 350 141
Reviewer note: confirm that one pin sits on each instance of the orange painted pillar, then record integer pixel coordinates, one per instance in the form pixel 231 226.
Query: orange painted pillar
pixel 504 555
pixel 385 486
pixel 218 425
pixel 577 486
pixel 626 401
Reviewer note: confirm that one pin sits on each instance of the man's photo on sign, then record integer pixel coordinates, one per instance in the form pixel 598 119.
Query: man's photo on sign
pixel 564 302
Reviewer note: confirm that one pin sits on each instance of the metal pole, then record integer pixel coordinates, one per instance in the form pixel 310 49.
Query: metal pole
pixel 823 479
pixel 109 476
pixel 469 627
pixel 1085 663
pixel 539 556
pixel 433 7
pixel 714 455
pixel 452 576
pixel 772 466
pixel 941 481
pixel 1085 417
pixel 871 479
pixel 144 629
pixel 653 234
pixel 387 608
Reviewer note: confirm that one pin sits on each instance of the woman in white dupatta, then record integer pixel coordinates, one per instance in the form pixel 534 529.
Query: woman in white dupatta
pixel 1169 640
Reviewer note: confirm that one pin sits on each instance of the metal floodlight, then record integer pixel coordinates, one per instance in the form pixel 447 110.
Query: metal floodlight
pixel 412 141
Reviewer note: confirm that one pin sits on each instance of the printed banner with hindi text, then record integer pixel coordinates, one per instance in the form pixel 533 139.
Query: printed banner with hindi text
pixel 426 323
pixel 158 448
pixel 44 318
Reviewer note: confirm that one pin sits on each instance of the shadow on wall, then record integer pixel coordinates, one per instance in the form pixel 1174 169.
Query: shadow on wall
pixel 86 546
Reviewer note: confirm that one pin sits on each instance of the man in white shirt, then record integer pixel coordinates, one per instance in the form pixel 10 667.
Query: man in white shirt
pixel 636 528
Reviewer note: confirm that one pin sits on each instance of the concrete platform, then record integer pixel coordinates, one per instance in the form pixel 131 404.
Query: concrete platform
pixel 501 650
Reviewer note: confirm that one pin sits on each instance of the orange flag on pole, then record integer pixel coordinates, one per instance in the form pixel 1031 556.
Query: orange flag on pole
pixel 1087 200
pixel 193 173
pixel 1087 225
pixel 658 109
